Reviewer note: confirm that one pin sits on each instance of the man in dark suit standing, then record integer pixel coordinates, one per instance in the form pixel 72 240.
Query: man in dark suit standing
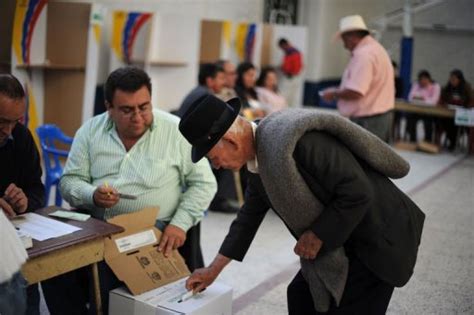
pixel 327 179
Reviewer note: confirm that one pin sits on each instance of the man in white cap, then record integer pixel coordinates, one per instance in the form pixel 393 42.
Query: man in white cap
pixel 366 94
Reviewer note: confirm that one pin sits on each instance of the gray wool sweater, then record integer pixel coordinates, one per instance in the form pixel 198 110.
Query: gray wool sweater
pixel 276 139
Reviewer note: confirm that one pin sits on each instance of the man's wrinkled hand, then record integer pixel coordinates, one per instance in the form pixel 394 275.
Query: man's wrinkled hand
pixel 308 245
pixel 106 197
pixel 16 198
pixel 172 238
pixel 201 279
pixel 7 209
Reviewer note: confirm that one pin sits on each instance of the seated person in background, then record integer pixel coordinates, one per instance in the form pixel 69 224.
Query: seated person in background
pixel 230 76
pixel 456 92
pixel 424 91
pixel 267 91
pixel 20 181
pixel 211 79
pixel 245 89
pixel 137 150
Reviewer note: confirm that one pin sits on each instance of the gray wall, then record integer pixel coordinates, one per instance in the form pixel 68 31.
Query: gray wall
pixel 439 51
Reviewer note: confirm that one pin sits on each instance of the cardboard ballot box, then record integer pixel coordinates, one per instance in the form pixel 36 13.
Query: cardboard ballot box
pixel 156 283
pixel 165 300
pixel 133 254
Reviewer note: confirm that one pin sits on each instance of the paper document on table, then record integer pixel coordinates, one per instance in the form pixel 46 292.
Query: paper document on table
pixel 42 228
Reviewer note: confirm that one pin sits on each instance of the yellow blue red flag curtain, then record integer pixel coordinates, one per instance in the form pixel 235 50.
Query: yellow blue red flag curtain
pixel 126 26
pixel 245 41
pixel 27 13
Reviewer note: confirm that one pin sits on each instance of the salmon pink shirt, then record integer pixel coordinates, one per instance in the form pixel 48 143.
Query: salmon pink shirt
pixel 370 73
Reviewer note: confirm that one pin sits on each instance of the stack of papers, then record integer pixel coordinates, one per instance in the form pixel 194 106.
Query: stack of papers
pixel 41 228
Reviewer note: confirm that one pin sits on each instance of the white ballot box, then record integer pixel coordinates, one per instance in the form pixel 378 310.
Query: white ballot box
pixel 167 300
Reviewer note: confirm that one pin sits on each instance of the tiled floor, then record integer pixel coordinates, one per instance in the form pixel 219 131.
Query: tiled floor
pixel 443 283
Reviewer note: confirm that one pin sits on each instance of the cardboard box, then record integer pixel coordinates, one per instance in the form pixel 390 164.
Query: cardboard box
pixel 215 300
pixel 133 254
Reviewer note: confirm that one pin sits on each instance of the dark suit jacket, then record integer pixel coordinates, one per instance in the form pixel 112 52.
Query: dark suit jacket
pixel 364 211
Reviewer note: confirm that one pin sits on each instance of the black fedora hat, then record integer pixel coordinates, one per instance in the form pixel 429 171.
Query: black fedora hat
pixel 206 121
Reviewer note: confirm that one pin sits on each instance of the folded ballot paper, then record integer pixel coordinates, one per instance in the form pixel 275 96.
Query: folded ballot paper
pixel 168 300
pixel 70 215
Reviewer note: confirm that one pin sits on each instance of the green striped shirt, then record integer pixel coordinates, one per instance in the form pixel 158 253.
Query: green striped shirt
pixel 157 169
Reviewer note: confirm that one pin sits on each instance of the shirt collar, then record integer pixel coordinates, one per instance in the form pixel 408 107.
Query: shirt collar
pixel 252 165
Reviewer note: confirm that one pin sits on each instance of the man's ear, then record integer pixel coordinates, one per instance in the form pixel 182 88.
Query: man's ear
pixel 108 105
pixel 209 82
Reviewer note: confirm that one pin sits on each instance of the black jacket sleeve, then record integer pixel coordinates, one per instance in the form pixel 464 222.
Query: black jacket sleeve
pixel 243 229
pixel 339 182
pixel 31 175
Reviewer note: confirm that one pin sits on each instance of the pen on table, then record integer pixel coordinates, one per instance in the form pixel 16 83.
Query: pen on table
pixel 186 296
pixel 126 196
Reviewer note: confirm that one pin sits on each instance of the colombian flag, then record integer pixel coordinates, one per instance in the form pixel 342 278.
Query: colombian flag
pixel 245 41
pixel 26 15
pixel 126 26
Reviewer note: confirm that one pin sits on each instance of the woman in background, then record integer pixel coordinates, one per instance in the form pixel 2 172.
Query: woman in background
pixel 456 92
pixel 267 91
pixel 425 91
pixel 245 89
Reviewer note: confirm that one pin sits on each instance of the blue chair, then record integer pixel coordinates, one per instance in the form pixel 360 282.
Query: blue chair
pixel 49 135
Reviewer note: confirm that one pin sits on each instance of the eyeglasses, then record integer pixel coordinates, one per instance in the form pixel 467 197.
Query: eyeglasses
pixel 129 111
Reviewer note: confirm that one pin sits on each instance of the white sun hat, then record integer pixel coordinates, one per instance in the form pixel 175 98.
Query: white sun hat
pixel 351 23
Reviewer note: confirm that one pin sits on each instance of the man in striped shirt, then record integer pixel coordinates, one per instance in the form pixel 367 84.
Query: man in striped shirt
pixel 136 150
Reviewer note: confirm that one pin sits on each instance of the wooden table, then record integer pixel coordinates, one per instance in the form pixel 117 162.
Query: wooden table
pixel 57 256
pixel 437 111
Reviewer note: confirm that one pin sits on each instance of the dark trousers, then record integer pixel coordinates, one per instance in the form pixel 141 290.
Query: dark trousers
pixel 33 300
pixel 428 122
pixel 364 294
pixel 380 125
pixel 68 293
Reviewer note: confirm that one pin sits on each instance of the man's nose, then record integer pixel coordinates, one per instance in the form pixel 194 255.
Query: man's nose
pixel 136 115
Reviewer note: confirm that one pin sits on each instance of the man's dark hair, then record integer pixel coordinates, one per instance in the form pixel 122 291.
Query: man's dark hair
pixel 282 41
pixel 11 87
pixel 424 74
pixel 263 75
pixel 208 70
pixel 127 79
